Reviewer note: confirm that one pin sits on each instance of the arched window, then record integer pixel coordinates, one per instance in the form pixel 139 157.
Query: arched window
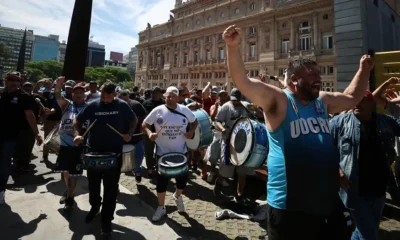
pixel 305 35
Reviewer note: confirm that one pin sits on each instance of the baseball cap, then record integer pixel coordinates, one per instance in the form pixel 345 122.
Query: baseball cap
pixel 236 95
pixel 45 90
pixel 79 85
pixel 156 89
pixel 173 90
pixel 222 92
pixel 28 84
pixel 70 84
pixel 215 89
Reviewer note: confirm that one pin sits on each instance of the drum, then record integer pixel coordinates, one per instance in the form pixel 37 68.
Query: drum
pixel 52 141
pixel 128 158
pixel 249 143
pixel 99 161
pixel 203 135
pixel 172 165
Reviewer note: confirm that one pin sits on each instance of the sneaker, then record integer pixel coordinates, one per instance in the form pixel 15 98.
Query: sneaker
pixel 69 203
pixel 160 212
pixel 92 214
pixel 2 197
pixel 138 177
pixel 63 197
pixel 210 177
pixel 179 203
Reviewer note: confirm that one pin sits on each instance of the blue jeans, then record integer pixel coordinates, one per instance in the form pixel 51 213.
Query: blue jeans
pixel 7 150
pixel 139 154
pixel 367 216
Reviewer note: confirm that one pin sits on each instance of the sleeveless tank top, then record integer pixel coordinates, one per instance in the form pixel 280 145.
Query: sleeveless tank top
pixel 66 132
pixel 303 161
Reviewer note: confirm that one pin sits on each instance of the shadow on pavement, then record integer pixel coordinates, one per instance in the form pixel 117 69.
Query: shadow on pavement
pixel 131 202
pixel 29 181
pixel 13 227
pixel 194 229
pixel 58 188
pixel 389 235
pixel 79 228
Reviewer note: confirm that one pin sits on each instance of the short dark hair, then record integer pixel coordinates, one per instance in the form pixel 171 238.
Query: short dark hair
pixel 135 88
pixel 92 82
pixel 108 87
pixel 295 65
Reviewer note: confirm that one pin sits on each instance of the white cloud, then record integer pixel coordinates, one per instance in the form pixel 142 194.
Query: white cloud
pixel 115 23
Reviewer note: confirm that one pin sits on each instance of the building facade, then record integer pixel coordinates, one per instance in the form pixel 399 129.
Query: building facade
pixel 61 51
pixel 189 47
pixel 131 60
pixel 46 48
pixel 115 64
pixel 12 39
pixel 363 26
pixel 116 56
pixel 96 55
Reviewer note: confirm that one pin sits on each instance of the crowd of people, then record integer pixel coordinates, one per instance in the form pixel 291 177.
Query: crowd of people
pixel 327 151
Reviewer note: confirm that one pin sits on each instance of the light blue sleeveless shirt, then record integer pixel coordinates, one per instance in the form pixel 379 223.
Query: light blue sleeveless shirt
pixel 303 163
pixel 66 132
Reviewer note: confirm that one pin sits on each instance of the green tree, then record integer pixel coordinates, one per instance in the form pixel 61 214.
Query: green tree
pixel 127 85
pixel 35 74
pixel 5 51
pixel 52 69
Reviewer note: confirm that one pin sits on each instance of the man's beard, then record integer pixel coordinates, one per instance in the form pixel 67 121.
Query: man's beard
pixel 307 93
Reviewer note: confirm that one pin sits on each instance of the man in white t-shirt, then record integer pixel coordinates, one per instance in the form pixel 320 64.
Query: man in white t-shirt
pixel 93 93
pixel 174 119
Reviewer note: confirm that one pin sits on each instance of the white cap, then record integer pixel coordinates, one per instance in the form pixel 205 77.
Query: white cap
pixel 173 90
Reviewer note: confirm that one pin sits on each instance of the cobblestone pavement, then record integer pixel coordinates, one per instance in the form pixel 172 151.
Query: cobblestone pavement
pixel 200 223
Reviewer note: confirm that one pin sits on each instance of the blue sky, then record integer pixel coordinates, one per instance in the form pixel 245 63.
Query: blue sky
pixel 115 23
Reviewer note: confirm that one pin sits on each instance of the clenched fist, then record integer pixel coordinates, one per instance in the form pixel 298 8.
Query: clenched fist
pixel 232 36
pixel 367 63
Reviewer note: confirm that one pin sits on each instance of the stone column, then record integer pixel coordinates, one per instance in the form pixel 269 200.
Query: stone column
pixel 315 32
pixel 260 40
pixel 274 37
pixel 292 34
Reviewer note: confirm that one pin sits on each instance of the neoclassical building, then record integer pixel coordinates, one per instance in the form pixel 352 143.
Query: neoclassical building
pixel 189 47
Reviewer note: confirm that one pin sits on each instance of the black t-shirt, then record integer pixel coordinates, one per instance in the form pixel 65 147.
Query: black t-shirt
pixel 51 102
pixel 373 170
pixel 102 138
pixel 37 107
pixel 150 104
pixel 140 113
pixel 12 109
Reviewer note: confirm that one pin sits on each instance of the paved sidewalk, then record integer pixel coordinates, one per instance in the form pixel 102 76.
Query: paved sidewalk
pixel 32 211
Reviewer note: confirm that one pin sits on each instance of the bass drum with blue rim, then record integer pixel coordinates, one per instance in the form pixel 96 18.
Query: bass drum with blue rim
pixel 203 135
pixel 248 143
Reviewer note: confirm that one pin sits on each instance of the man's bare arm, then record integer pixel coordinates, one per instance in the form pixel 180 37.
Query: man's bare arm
pixel 337 102
pixel 132 126
pixel 30 117
pixel 206 90
pixel 146 128
pixel 61 101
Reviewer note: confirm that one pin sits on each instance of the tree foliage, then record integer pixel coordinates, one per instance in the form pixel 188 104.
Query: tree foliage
pixel 53 69
pixel 5 51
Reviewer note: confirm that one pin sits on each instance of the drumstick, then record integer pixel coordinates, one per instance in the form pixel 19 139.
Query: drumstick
pixel 162 127
pixel 115 130
pixel 90 126
pixel 137 134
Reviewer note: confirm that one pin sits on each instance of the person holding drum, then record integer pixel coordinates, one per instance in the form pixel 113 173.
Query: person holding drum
pixel 213 152
pixel 174 123
pixel 69 156
pixel 303 162
pixel 226 117
pixel 108 116
pixel 137 140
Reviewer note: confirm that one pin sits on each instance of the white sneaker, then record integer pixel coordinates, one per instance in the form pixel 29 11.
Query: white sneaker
pixel 179 203
pixel 2 197
pixel 210 177
pixel 160 212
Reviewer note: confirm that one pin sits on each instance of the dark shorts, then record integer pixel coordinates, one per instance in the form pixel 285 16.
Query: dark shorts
pixel 69 160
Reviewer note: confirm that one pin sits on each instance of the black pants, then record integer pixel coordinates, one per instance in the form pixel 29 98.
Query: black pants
pixel 110 183
pixel 288 225
pixel 25 143
pixel 149 152
pixel 162 182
